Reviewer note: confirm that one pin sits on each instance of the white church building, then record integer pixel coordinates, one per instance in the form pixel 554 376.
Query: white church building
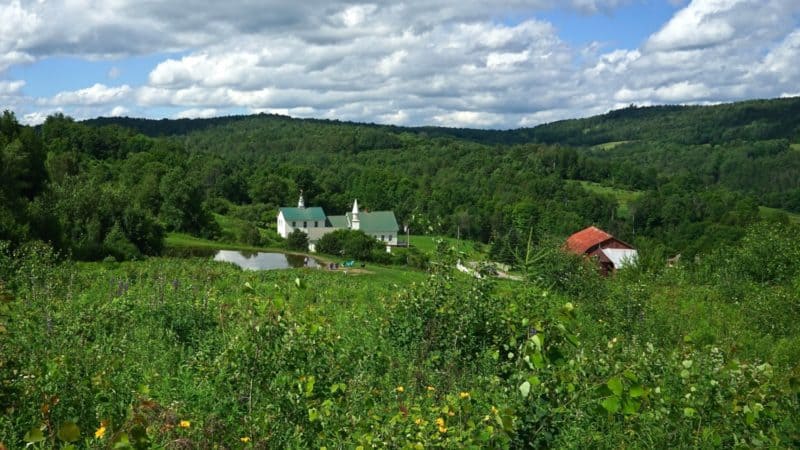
pixel 382 225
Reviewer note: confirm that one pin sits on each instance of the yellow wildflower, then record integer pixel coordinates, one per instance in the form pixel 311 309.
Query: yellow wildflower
pixel 399 389
pixel 100 432
pixel 185 424
pixel 431 388
pixel 494 410
pixel 440 425
pixel 418 421
pixel 245 439
pixel 464 395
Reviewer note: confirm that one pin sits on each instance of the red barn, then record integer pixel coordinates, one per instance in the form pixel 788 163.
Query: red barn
pixel 610 252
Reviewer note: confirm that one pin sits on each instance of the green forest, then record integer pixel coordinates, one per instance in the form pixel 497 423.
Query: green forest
pixel 112 335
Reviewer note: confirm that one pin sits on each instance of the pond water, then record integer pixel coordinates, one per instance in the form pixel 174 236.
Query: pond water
pixel 265 261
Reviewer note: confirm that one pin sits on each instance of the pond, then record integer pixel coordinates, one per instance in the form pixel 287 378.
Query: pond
pixel 265 261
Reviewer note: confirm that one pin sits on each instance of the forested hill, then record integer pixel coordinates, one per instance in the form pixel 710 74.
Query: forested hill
pixel 749 121
pixel 687 179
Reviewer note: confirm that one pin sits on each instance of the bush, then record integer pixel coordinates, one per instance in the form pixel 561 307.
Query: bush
pixel 332 243
pixel 143 230
pixel 769 253
pixel 117 245
pixel 353 244
pixel 297 240
pixel 249 234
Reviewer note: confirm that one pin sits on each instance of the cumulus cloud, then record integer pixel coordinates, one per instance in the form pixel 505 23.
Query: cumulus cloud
pixel 11 87
pixel 98 94
pixel 445 62
pixel 196 113
pixel 38 117
pixel 118 111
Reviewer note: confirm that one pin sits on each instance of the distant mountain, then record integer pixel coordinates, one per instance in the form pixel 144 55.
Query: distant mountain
pixel 749 121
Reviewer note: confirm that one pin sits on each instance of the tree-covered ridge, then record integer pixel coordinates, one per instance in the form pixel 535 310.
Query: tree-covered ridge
pixel 113 186
pixel 752 120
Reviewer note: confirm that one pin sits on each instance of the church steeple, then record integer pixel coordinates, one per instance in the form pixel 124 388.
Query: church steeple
pixel 301 203
pixel 355 223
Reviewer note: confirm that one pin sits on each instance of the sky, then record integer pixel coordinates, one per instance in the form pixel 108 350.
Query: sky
pixel 454 63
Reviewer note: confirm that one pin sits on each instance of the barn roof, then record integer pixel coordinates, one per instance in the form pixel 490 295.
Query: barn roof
pixel 585 239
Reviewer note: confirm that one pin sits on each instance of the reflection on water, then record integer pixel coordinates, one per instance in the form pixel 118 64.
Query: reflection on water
pixel 264 261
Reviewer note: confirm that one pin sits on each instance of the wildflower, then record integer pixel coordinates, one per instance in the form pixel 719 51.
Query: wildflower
pixel 431 388
pixel 399 389
pixel 463 395
pixel 440 425
pixel 418 421
pixel 245 439
pixel 100 432
pixel 185 424
pixel 494 410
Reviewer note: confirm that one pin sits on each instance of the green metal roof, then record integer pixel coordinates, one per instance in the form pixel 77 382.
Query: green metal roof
pixel 377 221
pixel 297 214
pixel 338 221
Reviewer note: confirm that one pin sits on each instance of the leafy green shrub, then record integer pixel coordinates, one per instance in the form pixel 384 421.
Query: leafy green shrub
pixel 442 322
pixel 248 234
pixel 117 245
pixel 769 253
pixel 297 240
pixel 551 266
pixel 143 230
pixel 353 244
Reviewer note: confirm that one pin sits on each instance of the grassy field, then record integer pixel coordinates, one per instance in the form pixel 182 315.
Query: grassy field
pixel 181 353
pixel 771 212
pixel 472 250
pixel 181 240
pixel 795 147
pixel 624 197
pixel 609 145
pixel 388 274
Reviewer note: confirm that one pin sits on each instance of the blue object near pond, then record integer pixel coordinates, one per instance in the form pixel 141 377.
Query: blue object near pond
pixel 265 261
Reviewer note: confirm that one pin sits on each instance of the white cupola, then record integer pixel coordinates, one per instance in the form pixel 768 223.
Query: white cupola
pixel 301 203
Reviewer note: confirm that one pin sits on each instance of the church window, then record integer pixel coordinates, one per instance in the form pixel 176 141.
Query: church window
pixel 305 224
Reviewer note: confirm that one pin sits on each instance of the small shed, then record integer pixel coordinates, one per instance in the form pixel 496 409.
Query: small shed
pixel 609 252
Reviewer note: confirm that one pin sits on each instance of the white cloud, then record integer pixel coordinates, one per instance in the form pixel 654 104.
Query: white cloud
pixel 37 117
pixel 506 60
pixel 98 94
pixel 195 113
pixel 470 119
pixel 446 62
pixel 8 88
pixel 355 15
pixel 118 111
pixel 701 24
